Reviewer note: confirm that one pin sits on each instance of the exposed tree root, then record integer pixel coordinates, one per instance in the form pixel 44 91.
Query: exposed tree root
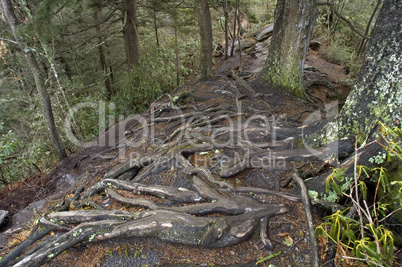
pixel 310 224
pixel 186 200
pixel 174 224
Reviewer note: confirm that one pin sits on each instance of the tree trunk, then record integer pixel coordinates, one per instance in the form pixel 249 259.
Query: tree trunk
pixel 225 11
pixel 102 57
pixel 377 94
pixel 234 32
pixel 155 27
pixel 129 10
pixel 239 28
pixel 39 82
pixel 176 51
pixel 294 22
pixel 205 26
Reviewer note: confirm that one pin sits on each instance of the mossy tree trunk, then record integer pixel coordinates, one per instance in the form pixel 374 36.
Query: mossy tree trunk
pixel 294 22
pixel 377 94
pixel 205 26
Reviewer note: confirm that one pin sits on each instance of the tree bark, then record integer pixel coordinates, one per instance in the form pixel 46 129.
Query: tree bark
pixel 225 11
pixel 239 28
pixel 101 51
pixel 294 22
pixel 205 26
pixel 102 57
pixel 39 82
pixel 176 51
pixel 129 10
pixel 156 29
pixel 234 32
pixel 377 94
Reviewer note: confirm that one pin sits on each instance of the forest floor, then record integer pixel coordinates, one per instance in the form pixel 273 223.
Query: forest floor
pixel 29 199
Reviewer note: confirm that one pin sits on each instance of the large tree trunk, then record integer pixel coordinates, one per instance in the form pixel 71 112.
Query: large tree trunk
pixel 39 82
pixel 204 21
pixel 129 10
pixel 377 94
pixel 294 22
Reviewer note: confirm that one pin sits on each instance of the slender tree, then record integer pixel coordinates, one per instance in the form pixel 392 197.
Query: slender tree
pixel 38 77
pixel 176 51
pixel 239 29
pixel 294 22
pixel 101 50
pixel 234 32
pixel 226 14
pixel 205 26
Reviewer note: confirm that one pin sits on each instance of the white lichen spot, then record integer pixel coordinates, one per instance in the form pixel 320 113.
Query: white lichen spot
pixel 77 232
pixel 168 225
pixel 91 237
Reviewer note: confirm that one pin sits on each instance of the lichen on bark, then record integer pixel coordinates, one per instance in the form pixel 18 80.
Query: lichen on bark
pixel 377 94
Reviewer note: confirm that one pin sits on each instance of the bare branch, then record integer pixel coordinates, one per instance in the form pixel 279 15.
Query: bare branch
pixel 333 9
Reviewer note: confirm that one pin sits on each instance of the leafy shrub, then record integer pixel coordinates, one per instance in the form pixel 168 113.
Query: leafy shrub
pixel 366 238
pixel 337 53
pixel 8 146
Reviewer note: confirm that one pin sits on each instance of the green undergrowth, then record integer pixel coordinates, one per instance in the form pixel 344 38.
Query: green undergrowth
pixel 339 42
pixel 363 232
pixel 17 161
pixel 154 76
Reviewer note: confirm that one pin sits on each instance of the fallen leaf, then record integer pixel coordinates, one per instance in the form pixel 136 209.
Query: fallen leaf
pixel 283 234
pixel 288 241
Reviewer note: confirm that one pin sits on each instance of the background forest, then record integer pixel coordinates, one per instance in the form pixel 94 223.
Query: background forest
pixel 80 50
